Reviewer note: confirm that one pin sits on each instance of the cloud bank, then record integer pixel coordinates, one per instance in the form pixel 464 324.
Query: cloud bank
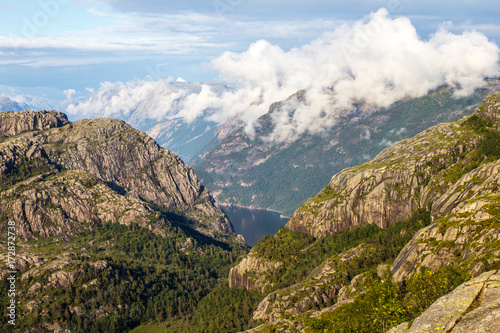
pixel 376 61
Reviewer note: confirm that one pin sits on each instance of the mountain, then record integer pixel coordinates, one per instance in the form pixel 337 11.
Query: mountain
pixel 168 127
pixel 391 243
pixel 258 172
pixel 111 230
pixel 116 234
pixel 7 104
pixel 166 111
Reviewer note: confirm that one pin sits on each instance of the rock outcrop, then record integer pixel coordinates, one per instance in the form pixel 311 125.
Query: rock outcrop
pixel 67 203
pixel 490 109
pixel 465 231
pixel 389 188
pixel 13 123
pixel 409 175
pixel 62 279
pixel 60 178
pixel 473 307
pixel 323 285
pixel 250 272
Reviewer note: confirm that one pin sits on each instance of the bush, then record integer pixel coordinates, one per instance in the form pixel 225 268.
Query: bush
pixel 478 124
pixel 489 146
pixel 387 304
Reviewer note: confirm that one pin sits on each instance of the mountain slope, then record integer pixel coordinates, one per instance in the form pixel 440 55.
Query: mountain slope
pixel 7 104
pixel 128 161
pixel 111 229
pixel 169 112
pixel 282 176
pixel 386 239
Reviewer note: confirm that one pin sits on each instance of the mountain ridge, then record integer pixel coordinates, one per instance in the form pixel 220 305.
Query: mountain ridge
pixel 346 254
pixel 102 147
pixel 296 170
pixel 112 231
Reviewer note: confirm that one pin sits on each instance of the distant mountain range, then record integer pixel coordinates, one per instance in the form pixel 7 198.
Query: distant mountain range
pixel 7 104
pixel 257 172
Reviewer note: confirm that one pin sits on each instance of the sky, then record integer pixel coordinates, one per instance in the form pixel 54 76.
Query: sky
pixel 106 57
pixel 48 46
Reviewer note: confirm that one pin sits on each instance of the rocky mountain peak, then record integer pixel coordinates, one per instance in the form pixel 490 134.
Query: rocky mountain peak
pixel 95 171
pixel 13 123
pixel 407 176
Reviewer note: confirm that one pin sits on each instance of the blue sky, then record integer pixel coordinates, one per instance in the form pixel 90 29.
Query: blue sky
pixel 48 46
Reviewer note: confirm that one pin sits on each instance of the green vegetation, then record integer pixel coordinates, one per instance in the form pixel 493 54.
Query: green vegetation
pixel 387 304
pixel 478 124
pixel 489 144
pixel 225 310
pixel 146 278
pixel 300 253
pixel 282 245
pixel 23 171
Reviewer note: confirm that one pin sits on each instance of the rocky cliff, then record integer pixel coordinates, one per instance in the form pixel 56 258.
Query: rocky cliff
pixel 59 174
pixel 409 175
pixel 426 208
pixel 111 230
pixel 13 123
pixel 465 230
pixel 251 265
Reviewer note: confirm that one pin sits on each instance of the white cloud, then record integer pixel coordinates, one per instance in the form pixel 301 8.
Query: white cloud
pixel 366 135
pixel 375 61
pixel 95 11
pixel 69 93
pixel 147 98
pixel 94 44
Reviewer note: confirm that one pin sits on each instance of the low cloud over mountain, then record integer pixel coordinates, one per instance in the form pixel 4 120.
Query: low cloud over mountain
pixel 377 61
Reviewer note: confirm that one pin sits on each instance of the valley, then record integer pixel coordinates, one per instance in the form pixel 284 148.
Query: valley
pixel 257 172
pixel 115 233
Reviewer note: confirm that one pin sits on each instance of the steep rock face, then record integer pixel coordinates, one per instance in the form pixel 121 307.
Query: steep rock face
pixel 13 123
pixel 409 175
pixel 324 283
pixel 115 152
pixel 490 109
pixel 250 272
pixel 470 308
pixel 466 222
pixel 389 188
pixel 67 203
pixel 114 174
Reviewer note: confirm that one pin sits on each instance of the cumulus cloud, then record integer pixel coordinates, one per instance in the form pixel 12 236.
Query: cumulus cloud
pixel 375 61
pixel 69 93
